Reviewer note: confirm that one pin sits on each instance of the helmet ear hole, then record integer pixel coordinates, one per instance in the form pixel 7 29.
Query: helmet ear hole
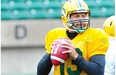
pixel 63 18
pixel 111 24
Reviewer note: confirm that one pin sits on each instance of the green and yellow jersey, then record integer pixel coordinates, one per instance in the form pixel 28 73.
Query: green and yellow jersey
pixel 91 42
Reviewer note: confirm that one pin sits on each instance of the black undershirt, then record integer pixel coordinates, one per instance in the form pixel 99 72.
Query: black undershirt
pixel 71 35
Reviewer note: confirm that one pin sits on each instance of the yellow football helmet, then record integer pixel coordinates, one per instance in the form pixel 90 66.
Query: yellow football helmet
pixel 109 26
pixel 75 6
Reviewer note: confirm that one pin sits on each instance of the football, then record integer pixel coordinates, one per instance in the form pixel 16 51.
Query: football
pixel 57 57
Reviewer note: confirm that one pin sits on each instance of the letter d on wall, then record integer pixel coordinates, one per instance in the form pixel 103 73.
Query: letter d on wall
pixel 20 32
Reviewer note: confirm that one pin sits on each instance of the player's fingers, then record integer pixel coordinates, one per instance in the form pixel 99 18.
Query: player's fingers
pixel 68 51
pixel 64 43
pixel 54 43
pixel 65 46
pixel 67 43
pixel 51 47
pixel 68 48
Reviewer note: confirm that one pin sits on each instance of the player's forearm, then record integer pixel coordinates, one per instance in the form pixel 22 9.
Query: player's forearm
pixel 94 67
pixel 44 65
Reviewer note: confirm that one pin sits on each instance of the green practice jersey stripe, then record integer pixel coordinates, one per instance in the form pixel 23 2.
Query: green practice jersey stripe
pixel 62 69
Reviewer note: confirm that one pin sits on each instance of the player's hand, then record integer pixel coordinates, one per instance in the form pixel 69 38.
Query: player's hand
pixel 71 49
pixel 54 43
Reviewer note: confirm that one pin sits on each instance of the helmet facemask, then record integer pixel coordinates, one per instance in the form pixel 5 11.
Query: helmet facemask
pixel 78 25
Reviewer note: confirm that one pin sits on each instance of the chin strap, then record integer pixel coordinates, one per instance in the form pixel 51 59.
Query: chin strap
pixel 80 31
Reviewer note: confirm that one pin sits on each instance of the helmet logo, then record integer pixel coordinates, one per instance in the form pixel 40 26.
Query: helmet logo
pixel 63 12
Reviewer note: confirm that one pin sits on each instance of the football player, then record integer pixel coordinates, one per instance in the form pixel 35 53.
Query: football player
pixel 86 47
pixel 109 28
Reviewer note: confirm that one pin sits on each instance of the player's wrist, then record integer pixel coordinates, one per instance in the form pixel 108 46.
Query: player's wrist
pixel 75 56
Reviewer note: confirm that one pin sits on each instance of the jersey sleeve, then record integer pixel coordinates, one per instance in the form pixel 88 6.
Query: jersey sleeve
pixel 45 65
pixel 48 41
pixel 100 43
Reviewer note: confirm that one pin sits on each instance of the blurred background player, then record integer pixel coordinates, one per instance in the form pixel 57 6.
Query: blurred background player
pixel 86 47
pixel 109 28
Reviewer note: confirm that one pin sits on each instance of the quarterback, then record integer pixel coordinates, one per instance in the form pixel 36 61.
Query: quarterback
pixel 86 46
pixel 109 28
